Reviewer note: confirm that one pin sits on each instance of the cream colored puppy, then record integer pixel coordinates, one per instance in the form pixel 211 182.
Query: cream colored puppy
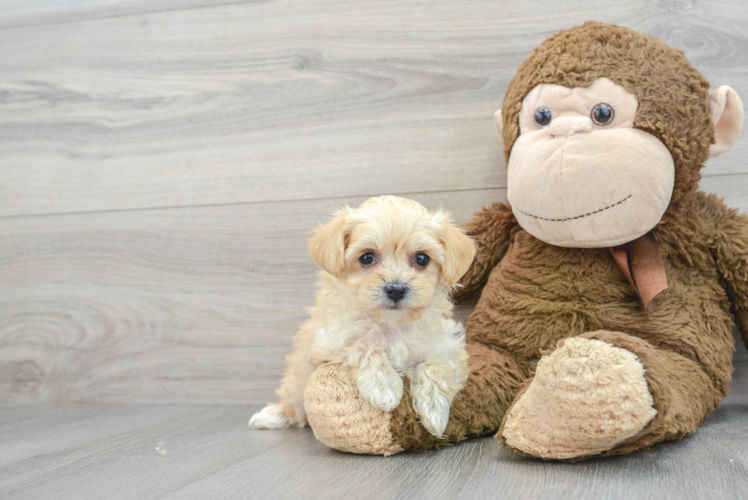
pixel 383 310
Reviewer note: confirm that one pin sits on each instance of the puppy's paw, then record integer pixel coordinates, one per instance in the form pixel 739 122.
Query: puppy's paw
pixel 430 399
pixel 434 414
pixel 270 417
pixel 382 388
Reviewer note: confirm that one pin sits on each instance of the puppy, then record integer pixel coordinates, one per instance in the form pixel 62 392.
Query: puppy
pixel 383 311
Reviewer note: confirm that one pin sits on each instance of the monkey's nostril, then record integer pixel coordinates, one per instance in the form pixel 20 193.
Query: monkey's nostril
pixel 395 291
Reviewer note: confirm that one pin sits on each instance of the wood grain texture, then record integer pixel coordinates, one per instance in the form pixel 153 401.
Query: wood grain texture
pixel 178 305
pixel 283 100
pixel 171 305
pixel 162 163
pixel 24 14
pixel 160 166
pixel 177 452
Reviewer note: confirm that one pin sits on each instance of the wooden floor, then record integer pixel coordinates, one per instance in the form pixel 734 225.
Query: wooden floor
pixel 205 452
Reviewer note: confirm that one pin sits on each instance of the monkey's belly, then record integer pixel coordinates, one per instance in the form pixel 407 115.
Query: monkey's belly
pixel 540 294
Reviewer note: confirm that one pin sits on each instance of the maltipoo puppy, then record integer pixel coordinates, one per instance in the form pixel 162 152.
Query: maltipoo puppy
pixel 383 310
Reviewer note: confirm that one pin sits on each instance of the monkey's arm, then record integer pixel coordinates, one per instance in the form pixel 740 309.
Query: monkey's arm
pixel 491 229
pixel 731 252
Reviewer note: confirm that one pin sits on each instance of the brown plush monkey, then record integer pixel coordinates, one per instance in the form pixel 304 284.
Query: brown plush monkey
pixel 604 322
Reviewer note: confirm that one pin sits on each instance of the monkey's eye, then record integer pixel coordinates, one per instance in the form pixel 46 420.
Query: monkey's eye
pixel 422 260
pixel 542 116
pixel 602 114
pixel 367 259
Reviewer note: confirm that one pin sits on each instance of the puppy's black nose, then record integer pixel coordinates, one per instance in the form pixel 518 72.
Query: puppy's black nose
pixel 395 291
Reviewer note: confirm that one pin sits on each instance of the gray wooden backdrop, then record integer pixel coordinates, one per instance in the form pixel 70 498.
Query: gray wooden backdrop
pixel 162 162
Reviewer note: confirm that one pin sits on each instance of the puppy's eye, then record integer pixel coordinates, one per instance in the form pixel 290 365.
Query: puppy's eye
pixel 367 259
pixel 542 116
pixel 602 114
pixel 422 260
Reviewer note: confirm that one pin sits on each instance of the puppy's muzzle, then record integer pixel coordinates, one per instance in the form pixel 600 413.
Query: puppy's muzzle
pixel 395 291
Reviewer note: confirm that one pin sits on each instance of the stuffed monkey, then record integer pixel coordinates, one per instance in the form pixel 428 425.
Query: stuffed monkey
pixel 607 284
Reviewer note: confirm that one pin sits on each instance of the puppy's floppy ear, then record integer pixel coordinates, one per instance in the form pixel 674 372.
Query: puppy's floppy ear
pixel 460 252
pixel 327 245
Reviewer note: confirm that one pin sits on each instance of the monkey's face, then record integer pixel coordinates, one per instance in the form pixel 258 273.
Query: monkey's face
pixel 580 174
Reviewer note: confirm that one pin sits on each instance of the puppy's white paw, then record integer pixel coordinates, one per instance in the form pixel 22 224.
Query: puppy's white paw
pixel 434 414
pixel 383 388
pixel 270 417
pixel 430 403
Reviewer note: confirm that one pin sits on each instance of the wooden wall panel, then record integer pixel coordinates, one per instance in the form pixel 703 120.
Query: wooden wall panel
pixel 283 100
pixel 162 163
pixel 173 305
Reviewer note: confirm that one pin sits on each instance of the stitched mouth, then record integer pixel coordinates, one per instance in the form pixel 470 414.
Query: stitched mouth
pixel 578 216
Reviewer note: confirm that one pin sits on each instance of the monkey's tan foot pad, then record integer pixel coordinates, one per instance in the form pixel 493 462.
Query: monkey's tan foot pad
pixel 587 396
pixel 342 419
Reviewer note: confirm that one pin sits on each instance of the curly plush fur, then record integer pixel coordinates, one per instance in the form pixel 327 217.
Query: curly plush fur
pixel 535 295
pixel 673 96
pixel 380 336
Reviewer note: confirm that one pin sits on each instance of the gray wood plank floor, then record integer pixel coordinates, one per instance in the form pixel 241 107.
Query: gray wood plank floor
pixel 183 452
pixel 206 452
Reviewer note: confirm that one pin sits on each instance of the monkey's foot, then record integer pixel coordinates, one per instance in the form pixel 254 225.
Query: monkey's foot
pixel 344 420
pixel 587 397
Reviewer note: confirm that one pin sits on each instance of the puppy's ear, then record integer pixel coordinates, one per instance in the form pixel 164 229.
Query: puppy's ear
pixel 460 252
pixel 327 245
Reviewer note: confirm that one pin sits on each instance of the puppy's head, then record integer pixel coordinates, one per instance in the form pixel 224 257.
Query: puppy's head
pixel 393 255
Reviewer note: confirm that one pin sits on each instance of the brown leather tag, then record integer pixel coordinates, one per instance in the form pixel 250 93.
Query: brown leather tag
pixel 641 263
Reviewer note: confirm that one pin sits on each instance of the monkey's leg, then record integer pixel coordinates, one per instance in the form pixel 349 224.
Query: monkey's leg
pixel 343 420
pixel 608 393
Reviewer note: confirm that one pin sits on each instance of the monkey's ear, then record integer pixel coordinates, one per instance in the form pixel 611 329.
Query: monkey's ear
pixel 327 245
pixel 499 122
pixel 726 112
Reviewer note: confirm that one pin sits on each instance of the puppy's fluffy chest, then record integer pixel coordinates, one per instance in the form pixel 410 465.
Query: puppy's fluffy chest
pixel 434 335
